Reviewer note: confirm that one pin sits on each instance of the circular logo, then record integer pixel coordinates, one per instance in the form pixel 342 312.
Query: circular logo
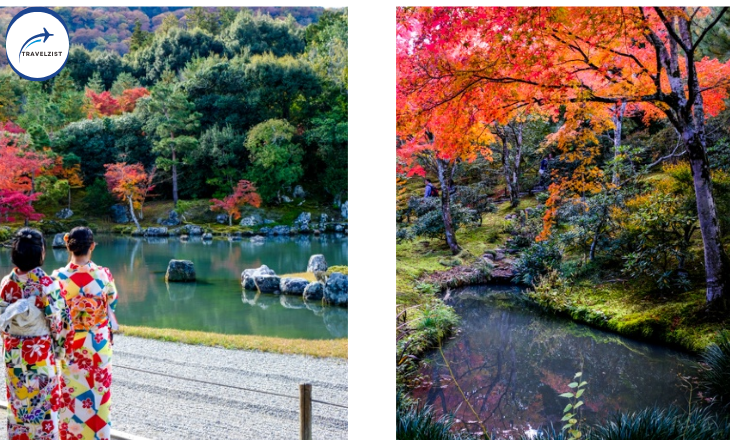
pixel 37 43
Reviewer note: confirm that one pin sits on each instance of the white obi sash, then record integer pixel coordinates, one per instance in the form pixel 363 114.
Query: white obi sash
pixel 23 318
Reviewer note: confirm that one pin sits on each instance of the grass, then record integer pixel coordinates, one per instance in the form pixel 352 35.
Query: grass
pixel 322 348
pixel 309 276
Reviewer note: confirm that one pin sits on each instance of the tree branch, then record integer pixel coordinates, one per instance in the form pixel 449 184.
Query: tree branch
pixel 672 32
pixel 707 29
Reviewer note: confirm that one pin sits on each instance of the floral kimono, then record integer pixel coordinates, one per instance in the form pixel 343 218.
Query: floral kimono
pixel 86 382
pixel 36 328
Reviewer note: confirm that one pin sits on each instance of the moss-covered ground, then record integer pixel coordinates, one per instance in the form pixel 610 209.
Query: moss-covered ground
pixel 628 307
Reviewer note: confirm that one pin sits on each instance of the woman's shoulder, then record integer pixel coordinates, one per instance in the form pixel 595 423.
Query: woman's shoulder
pixel 61 273
pixel 102 272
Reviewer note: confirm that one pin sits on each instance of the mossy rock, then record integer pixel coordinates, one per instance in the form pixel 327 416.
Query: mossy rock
pixel 340 269
pixel 451 262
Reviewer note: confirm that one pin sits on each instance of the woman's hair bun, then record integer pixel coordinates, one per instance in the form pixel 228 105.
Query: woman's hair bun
pixel 80 240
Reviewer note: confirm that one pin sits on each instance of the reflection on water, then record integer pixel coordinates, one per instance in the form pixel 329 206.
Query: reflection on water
pixel 512 363
pixel 214 303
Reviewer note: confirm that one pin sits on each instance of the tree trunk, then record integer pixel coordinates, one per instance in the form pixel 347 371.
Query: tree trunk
pixel 69 197
pixel 716 260
pixel 446 209
pixel 687 116
pixel 131 212
pixel 516 165
pixel 230 219
pixel 618 119
pixel 597 235
pixel 174 178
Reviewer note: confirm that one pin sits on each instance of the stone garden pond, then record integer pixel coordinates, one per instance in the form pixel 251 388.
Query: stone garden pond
pixel 512 362
pixel 216 302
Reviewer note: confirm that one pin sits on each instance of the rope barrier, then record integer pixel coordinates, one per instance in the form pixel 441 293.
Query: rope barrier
pixel 224 385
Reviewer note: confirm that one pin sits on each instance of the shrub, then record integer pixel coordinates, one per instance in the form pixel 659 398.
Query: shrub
pixel 654 423
pixel 536 261
pixel 98 200
pixel 428 326
pixel 669 424
pixel 715 374
pixel 429 222
pixel 5 233
pixel 340 269
pixel 420 423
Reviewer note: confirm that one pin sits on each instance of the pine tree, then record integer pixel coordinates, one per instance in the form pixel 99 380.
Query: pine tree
pixel 169 22
pixel 139 37
pixel 95 83
pixel 172 118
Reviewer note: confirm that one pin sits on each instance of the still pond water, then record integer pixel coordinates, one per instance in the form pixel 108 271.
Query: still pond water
pixel 512 362
pixel 216 302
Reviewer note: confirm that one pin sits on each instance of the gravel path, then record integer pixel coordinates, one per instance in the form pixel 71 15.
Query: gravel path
pixel 159 407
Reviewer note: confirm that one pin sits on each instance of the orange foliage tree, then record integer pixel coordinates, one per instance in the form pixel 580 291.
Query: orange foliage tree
pixel 244 194
pixel 586 61
pixel 104 104
pixel 129 183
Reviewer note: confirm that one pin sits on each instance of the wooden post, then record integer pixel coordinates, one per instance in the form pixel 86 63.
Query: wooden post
pixel 305 411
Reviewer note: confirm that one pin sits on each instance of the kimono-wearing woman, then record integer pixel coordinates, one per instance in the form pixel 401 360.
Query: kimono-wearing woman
pixel 91 297
pixel 36 328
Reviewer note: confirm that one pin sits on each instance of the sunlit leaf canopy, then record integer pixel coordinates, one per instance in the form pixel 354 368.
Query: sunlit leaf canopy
pixel 461 69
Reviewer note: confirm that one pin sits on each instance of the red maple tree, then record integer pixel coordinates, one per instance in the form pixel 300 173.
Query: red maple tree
pixel 462 68
pixel 244 194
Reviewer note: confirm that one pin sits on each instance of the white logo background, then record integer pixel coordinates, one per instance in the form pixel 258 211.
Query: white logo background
pixel 27 26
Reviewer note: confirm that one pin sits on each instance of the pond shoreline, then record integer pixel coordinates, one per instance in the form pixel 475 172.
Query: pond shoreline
pixel 319 348
pixel 592 317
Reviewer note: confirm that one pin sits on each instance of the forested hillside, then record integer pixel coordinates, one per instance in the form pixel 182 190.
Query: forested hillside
pixel 209 98
pixel 111 28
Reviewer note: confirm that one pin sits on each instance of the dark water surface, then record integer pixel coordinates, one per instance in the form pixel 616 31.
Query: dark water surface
pixel 216 302
pixel 512 362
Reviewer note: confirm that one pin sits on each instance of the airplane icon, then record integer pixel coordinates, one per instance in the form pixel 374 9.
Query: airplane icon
pixel 45 34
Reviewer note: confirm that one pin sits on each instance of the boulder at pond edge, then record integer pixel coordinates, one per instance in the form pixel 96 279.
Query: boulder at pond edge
pixel 335 290
pixel 267 283
pixel 58 241
pixel 293 286
pixel 180 271
pixel 248 274
pixel 314 291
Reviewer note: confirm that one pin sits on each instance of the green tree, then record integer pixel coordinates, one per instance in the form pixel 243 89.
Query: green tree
pixel 80 65
pixel 261 34
pixel 108 64
pixel 327 47
pixel 170 51
pixel 169 22
pixel 10 95
pixel 174 122
pixel 226 15
pixel 222 158
pixel 95 83
pixel 281 87
pixel 329 135
pixel 275 158
pixel 124 81
pixel 67 99
pixel 139 37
